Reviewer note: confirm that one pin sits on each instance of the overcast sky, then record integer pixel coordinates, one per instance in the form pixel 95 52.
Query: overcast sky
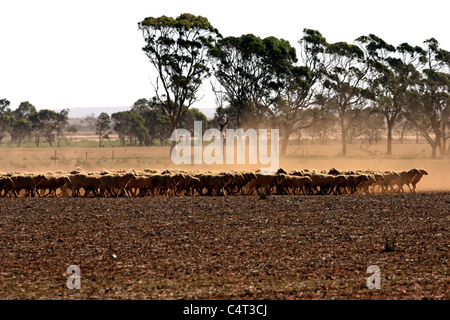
pixel 88 53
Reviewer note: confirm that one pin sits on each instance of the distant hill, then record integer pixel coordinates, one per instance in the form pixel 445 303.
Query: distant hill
pixel 83 112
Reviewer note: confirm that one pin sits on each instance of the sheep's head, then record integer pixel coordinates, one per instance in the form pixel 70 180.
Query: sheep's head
pixel 334 172
pixel 279 178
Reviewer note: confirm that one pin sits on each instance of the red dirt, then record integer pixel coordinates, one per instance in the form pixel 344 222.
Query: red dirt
pixel 237 247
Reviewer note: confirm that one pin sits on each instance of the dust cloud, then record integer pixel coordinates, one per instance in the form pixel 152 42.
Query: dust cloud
pixel 317 157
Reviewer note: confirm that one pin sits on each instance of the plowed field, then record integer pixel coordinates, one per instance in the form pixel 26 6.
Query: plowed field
pixel 236 247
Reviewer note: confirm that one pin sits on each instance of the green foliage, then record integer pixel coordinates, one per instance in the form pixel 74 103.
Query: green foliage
pixel 177 48
pixel 156 120
pixel 129 125
pixel 4 107
pixel 5 125
pixel 191 115
pixel 20 130
pixel 24 111
pixel 102 126
pixel 250 70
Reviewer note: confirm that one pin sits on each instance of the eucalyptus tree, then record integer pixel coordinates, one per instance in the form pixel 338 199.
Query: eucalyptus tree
pixel 20 130
pixel 4 107
pixel 177 48
pixel 392 73
pixel 24 111
pixel 61 122
pixel 345 84
pixel 37 127
pixel 5 125
pixel 192 115
pixel 48 124
pixel 5 118
pixel 102 126
pixel 301 88
pixel 129 125
pixel 156 120
pixel 249 70
pixel 429 107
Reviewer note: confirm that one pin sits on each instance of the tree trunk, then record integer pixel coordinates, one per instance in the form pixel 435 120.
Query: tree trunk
pixel 389 139
pixel 344 142
pixel 434 147
pixel 285 143
pixel 344 134
pixel 173 127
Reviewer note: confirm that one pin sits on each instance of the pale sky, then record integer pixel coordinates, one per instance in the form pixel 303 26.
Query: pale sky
pixel 66 54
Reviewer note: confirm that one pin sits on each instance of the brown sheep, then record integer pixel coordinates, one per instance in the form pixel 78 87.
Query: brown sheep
pixel 5 186
pixel 388 177
pixel 295 184
pixel 236 184
pixel 164 184
pixel 356 180
pixel 321 183
pixel 90 184
pixel 405 178
pixel 417 178
pixel 340 181
pixel 213 183
pixel 264 183
pixel 187 185
pixel 115 185
pixel 138 186
pixel 52 184
pixel 27 183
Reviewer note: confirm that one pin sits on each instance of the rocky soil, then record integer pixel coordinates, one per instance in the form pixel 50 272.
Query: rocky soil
pixel 237 247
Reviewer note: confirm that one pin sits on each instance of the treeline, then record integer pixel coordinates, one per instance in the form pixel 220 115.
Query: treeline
pixel 364 88
pixel 265 82
pixel 26 124
pixel 147 123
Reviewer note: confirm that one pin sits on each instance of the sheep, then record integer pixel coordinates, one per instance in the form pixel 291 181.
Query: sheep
pixel 369 185
pixel 164 184
pixel 356 180
pixel 405 178
pixel 115 184
pixel 417 178
pixel 27 183
pixel 186 185
pixel 294 184
pixel 89 183
pixel 5 186
pixel 267 182
pixel 299 173
pixel 388 177
pixel 52 184
pixel 340 181
pixel 138 186
pixel 334 172
pixel 213 183
pixel 321 183
pixel 236 184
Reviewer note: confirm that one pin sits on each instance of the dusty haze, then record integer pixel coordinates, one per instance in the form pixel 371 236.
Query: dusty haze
pixel 318 157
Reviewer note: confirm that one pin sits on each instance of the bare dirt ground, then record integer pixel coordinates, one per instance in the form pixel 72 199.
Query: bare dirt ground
pixel 237 247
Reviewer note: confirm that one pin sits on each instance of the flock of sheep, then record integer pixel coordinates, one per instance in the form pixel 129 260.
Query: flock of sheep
pixel 183 183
